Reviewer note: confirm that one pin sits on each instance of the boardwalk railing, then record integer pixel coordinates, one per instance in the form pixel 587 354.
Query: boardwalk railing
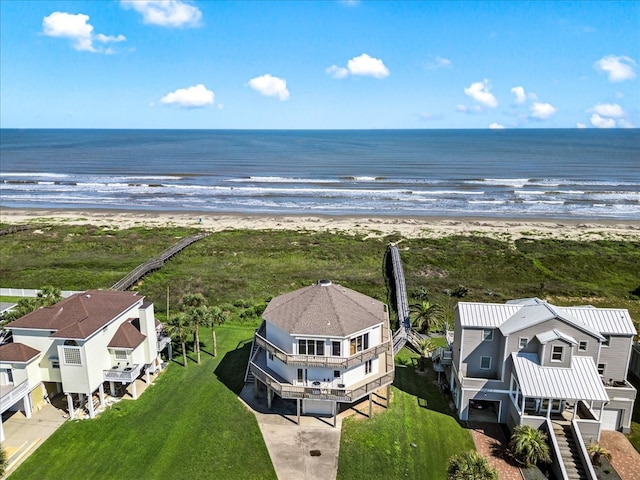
pixel 156 262
pixel 404 332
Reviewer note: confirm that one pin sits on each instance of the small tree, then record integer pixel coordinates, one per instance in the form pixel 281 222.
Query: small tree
pixel 597 453
pixel 4 461
pixel 529 445
pixel 470 466
pixel 426 346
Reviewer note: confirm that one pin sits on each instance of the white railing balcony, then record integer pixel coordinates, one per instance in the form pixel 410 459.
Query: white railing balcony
pixel 163 341
pixel 10 394
pixel 124 374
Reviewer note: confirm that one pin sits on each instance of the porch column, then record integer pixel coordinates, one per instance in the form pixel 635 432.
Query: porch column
pixel 146 372
pixel 334 411
pixel 2 431
pixel 92 414
pixel 269 397
pixel 170 352
pixel 370 405
pixel 70 406
pixel 575 409
pixel 112 389
pixel 26 402
pixel 522 407
pixel 101 394
pixel 134 392
pixel 549 408
pixel 81 399
pixel 298 409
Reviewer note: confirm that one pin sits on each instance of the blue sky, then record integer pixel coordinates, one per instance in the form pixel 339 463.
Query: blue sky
pixel 301 64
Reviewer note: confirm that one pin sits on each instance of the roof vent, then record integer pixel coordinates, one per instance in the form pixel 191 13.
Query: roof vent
pixel 324 283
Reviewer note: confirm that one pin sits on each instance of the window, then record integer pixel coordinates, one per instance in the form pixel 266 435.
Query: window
pixel 311 347
pixel 72 356
pixel 607 340
pixel 557 352
pixel 358 344
pixel 582 346
pixel 524 341
pixel 300 375
pixel 270 356
pixel 121 354
pixel 487 335
pixel 336 374
pixel 367 366
pixel 485 363
pixel 335 348
pixel 601 368
pixel 55 363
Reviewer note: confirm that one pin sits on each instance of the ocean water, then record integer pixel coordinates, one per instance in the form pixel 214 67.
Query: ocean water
pixel 562 174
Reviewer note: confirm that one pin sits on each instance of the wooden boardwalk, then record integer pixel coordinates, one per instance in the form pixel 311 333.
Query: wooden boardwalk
pixel 156 262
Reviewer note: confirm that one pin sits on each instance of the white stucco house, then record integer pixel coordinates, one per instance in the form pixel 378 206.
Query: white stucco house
pixel 78 346
pixel 323 345
pixel 525 360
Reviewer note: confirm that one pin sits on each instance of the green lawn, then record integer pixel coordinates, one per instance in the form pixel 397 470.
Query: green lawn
pixel 189 425
pixel 413 438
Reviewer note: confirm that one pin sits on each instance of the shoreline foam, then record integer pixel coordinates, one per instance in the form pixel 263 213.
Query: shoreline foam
pixel 370 226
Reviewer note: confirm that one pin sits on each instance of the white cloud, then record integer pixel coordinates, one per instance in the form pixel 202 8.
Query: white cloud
pixel 439 62
pixel 600 122
pixel 270 86
pixel 337 72
pixel 190 97
pixel 612 110
pixel 496 126
pixel 465 109
pixel 76 28
pixel 624 123
pixel 481 93
pixel 580 125
pixel 618 68
pixel 364 65
pixel 519 93
pixel 166 13
pixel 542 111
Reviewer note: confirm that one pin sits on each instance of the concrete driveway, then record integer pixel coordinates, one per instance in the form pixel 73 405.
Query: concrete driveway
pixel 308 451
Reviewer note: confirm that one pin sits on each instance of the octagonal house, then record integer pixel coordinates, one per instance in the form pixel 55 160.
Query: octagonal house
pixel 322 345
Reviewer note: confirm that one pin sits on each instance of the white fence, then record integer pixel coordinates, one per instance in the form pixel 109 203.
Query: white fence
pixel 30 292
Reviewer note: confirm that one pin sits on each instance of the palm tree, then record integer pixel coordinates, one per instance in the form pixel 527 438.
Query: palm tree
pixel 180 328
pixel 597 453
pixel 470 466
pixel 426 346
pixel 218 317
pixel 195 307
pixel 425 314
pixel 529 445
pixel 49 295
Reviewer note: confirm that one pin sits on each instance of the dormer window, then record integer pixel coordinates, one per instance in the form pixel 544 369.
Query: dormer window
pixel 582 346
pixel 557 353
pixel 523 342
pixel 487 335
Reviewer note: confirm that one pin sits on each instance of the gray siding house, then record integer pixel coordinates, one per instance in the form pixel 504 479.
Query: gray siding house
pixel 526 359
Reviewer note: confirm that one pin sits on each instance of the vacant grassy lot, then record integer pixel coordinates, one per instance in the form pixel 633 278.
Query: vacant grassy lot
pixel 413 438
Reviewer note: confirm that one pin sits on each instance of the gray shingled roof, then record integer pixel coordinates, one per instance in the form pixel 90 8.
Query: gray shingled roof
pixel 325 310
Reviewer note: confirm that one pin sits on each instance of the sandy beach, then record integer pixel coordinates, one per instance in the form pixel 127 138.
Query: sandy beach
pixel 370 226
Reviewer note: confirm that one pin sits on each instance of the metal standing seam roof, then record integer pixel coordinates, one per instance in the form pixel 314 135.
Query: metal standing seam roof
pixel 489 315
pixel 325 309
pixel 605 320
pixel 580 381
pixel 555 334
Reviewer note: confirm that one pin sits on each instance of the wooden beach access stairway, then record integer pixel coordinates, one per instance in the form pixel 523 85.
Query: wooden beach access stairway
pixel 156 262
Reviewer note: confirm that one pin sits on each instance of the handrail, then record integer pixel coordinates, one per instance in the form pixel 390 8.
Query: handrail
pixel 319 360
pixel 584 453
pixel 556 448
pixel 156 262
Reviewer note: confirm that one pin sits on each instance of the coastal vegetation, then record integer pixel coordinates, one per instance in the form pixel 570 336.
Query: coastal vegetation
pixel 237 272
